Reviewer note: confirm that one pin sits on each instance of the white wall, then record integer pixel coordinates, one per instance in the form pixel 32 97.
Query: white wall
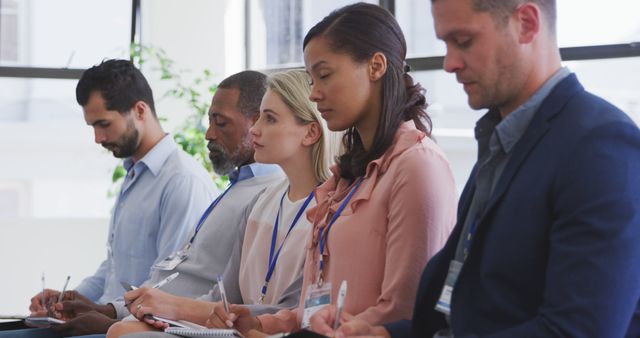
pixel 58 247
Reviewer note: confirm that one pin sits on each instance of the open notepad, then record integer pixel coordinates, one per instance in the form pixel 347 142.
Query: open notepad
pixel 212 333
pixel 188 329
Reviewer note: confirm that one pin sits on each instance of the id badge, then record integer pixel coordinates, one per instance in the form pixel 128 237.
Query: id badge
pixel 316 298
pixel 444 302
pixel 173 260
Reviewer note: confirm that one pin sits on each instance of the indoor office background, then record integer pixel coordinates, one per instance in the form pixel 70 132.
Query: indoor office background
pixel 54 181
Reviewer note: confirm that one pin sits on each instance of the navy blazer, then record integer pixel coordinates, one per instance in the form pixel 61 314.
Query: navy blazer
pixel 557 250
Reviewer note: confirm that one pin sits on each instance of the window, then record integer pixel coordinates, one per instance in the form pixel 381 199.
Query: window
pixel 414 17
pixel 284 31
pixel 585 23
pixel 8 31
pixel 63 33
pixel 277 28
pixel 38 100
pixel 580 23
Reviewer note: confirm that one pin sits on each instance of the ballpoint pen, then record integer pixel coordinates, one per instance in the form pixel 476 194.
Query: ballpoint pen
pixel 223 294
pixel 128 286
pixel 342 294
pixel 64 288
pixel 44 302
pixel 166 280
pixel 161 283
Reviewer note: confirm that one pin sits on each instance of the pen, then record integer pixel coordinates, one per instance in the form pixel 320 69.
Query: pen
pixel 223 294
pixel 64 288
pixel 342 294
pixel 44 302
pixel 165 281
pixel 128 286
pixel 160 284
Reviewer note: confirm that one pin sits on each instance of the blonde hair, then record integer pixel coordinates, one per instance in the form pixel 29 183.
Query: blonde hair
pixel 293 88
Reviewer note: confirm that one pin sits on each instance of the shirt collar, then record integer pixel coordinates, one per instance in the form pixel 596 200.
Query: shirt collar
pixel 155 158
pixel 509 130
pixel 253 170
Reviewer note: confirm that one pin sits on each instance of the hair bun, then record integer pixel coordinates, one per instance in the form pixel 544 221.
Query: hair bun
pixel 406 67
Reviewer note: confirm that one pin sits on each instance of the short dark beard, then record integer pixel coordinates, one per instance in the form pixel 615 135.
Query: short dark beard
pixel 127 144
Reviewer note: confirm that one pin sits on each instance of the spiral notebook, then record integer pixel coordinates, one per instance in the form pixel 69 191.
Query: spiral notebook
pixel 211 333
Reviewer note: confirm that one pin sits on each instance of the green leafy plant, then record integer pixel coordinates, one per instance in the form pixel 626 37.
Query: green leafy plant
pixel 195 92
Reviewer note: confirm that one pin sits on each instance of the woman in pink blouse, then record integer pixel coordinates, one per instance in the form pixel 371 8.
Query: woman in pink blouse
pixel 391 202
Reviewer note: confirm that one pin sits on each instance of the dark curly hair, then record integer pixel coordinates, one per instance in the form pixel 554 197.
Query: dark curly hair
pixel 120 83
pixel 361 30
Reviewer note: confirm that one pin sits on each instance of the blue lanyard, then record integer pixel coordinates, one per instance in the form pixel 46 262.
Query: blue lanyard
pixel 469 239
pixel 209 210
pixel 323 239
pixel 274 236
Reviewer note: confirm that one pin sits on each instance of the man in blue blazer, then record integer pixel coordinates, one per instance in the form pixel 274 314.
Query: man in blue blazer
pixel 547 242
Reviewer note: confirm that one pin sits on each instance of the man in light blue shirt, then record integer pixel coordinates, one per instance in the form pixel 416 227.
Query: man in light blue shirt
pixel 162 196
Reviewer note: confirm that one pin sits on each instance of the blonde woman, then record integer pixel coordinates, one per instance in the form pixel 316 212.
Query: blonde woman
pixel 265 270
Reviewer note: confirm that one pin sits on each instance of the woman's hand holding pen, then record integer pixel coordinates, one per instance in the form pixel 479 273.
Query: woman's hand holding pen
pixel 239 317
pixel 323 322
pixel 151 301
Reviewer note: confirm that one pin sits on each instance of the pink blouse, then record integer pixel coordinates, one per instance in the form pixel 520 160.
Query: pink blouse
pixel 400 216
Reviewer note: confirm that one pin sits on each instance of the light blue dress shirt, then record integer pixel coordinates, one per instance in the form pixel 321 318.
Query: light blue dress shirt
pixel 161 199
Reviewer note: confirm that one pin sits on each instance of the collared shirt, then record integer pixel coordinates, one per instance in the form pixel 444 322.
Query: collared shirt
pixel 161 199
pixel 496 140
pixel 212 246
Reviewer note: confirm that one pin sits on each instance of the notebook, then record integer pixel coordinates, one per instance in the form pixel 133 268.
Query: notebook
pixel 43 321
pixel 210 333
pixel 13 316
pixel 179 323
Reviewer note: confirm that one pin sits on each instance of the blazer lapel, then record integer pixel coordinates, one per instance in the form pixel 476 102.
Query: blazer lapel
pixel 539 125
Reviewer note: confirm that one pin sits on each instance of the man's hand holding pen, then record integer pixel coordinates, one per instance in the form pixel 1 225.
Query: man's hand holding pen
pixel 40 309
pixel 72 305
pixel 75 304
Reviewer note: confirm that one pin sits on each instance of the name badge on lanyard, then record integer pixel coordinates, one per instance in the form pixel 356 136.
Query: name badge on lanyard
pixel 315 299
pixel 319 294
pixel 274 255
pixel 444 302
pixel 174 259
pixel 181 255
